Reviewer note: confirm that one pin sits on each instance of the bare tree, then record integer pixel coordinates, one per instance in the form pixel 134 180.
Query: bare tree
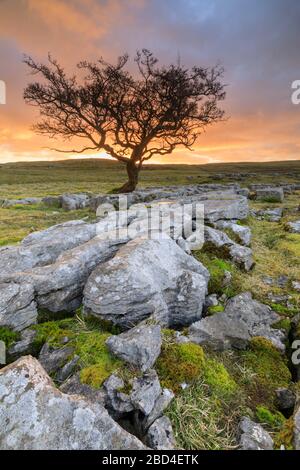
pixel 130 118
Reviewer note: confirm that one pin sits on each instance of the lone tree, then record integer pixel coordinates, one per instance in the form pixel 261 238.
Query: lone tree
pixel 130 118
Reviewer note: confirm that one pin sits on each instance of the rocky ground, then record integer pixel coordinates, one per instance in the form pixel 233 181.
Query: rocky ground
pixel 127 342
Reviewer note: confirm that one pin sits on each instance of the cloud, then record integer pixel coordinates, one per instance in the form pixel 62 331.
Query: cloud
pixel 257 42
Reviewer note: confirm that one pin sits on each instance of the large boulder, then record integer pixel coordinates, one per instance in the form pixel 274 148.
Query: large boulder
pixel 38 416
pixel 139 346
pixel 242 319
pixel 147 277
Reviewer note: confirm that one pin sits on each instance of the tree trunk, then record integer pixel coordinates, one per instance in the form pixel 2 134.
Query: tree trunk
pixel 133 176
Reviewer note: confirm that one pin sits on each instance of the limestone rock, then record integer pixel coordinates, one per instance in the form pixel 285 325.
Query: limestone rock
pixel 70 202
pixel 23 347
pixel 53 359
pixel 271 194
pixel 147 277
pixel 38 416
pixel 242 232
pixel 139 346
pixel 160 434
pixel 17 306
pixel 44 247
pixel 145 392
pixel 285 398
pixel 242 319
pixel 294 227
pixel 253 436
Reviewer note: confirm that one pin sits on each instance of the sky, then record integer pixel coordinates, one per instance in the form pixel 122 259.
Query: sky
pixel 257 42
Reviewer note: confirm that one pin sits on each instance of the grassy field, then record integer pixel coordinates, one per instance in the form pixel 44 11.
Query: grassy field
pixel 40 179
pixel 97 176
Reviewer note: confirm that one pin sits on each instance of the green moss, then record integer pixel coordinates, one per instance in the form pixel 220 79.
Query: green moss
pixel 179 363
pixel 273 420
pixel 88 341
pixel 216 268
pixel 8 336
pixel 282 310
pixel 217 377
pixel 95 375
pixel 53 332
pixel 269 199
pixel 283 324
pixel 215 309
pixel 270 371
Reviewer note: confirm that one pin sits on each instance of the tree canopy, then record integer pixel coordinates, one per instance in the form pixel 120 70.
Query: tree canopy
pixel 130 117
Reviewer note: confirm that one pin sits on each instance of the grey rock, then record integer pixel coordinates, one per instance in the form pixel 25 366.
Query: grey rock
pixel 286 399
pixel 147 278
pixel 70 202
pixel 161 403
pixel 22 202
pixel 40 417
pixel 242 232
pixel 253 436
pixel 269 193
pixel 17 306
pixel 67 370
pixel 116 401
pixel 139 346
pixel 74 386
pixel 160 435
pixel 226 207
pixel 26 345
pixel 217 238
pixel 211 301
pixel 52 201
pixel 53 359
pixel 294 227
pixel 240 255
pixel 43 248
pixel 59 286
pixel 242 319
pixel 272 215
pixel 145 392
pixel 296 285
